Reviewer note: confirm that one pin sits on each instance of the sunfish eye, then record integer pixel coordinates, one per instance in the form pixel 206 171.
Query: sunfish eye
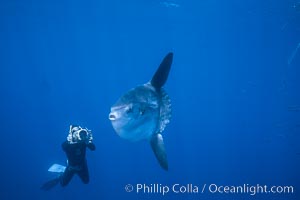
pixel 129 109
pixel 142 111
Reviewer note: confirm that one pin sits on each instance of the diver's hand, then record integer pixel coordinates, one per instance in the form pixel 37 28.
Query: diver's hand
pixel 91 146
pixel 88 142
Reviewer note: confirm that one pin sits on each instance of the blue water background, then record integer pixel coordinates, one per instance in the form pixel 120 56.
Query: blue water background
pixel 234 86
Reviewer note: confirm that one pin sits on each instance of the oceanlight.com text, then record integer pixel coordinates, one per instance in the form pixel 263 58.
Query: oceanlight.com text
pixel 249 189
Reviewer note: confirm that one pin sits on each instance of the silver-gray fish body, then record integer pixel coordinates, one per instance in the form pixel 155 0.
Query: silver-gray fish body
pixel 144 111
pixel 141 112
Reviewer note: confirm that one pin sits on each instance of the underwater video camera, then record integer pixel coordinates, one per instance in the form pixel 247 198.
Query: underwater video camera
pixel 79 134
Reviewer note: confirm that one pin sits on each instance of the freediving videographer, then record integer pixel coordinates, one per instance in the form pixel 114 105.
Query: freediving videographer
pixel 75 148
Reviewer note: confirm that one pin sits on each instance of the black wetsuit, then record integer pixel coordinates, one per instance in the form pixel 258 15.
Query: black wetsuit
pixel 76 161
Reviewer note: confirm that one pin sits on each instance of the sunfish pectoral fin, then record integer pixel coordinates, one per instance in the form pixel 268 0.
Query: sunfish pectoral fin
pixel 158 147
pixel 161 75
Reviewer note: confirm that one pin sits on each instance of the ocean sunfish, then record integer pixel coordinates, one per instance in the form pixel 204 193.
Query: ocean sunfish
pixel 144 111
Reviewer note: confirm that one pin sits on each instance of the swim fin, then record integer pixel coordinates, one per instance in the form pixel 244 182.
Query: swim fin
pixel 57 168
pixel 50 184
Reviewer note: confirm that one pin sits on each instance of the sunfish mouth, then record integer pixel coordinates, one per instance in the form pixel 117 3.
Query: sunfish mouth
pixel 112 116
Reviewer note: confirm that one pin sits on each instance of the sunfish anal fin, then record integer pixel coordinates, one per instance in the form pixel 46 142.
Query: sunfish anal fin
pixel 158 147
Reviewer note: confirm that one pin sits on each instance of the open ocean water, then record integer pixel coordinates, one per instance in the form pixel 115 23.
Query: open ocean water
pixel 234 86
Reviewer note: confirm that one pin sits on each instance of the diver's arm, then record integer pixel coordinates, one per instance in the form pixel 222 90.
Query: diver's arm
pixel 91 146
pixel 64 145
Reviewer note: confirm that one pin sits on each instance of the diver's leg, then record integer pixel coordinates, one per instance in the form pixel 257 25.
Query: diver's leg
pixel 66 176
pixel 84 174
pixel 50 184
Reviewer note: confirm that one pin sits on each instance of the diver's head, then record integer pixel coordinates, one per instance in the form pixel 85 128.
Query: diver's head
pixel 83 135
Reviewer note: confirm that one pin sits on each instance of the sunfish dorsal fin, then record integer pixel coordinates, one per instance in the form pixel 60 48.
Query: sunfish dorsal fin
pixel 161 75
pixel 158 147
